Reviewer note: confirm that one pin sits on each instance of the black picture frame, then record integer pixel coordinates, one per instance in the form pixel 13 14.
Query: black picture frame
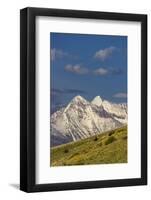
pixel 28 99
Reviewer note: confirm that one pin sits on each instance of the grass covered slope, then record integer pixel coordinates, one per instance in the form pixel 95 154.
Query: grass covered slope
pixel 109 147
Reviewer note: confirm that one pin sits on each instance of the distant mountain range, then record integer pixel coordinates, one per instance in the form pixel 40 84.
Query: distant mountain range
pixel 81 119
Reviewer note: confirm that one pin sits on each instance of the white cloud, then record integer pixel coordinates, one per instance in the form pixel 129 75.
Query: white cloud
pixel 77 69
pixel 103 54
pixel 57 53
pixel 101 71
pixel 120 95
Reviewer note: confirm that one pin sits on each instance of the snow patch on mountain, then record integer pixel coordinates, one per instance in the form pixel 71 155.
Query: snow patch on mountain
pixel 97 101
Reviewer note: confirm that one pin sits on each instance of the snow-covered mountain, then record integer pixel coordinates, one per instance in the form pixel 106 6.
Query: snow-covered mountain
pixel 81 119
pixel 118 110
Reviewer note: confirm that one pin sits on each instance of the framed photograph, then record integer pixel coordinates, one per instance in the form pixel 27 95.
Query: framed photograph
pixel 83 99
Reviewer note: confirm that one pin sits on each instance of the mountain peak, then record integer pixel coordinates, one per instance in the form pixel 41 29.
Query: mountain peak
pixel 78 98
pixel 97 101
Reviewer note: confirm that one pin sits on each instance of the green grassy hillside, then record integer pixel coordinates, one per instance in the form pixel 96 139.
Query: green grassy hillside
pixel 109 147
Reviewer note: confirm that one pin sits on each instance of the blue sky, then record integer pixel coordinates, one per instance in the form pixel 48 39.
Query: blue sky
pixel 87 65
